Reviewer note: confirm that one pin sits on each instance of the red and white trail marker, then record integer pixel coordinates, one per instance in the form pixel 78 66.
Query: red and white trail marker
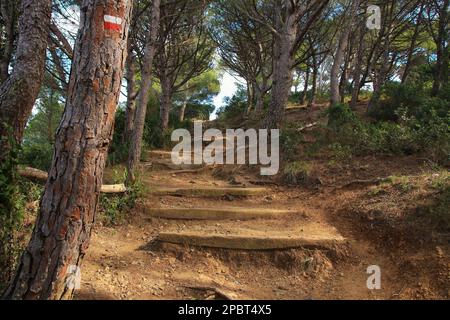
pixel 113 23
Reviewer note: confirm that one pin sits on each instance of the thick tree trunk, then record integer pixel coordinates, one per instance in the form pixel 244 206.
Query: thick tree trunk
pixel 146 84
pixel 282 76
pixel 69 203
pixel 336 68
pixel 19 92
pixel 131 95
pixel 340 55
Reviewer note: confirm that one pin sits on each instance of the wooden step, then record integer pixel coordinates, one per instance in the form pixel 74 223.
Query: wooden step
pixel 251 241
pixel 210 191
pixel 217 213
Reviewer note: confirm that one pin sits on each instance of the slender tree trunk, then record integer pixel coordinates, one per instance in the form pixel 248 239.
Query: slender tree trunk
pixel 312 97
pixel 412 46
pixel 344 75
pixel 259 97
pixel 144 94
pixel 305 87
pixel 340 54
pixel 183 109
pixel 131 95
pixel 166 102
pixel 69 203
pixel 442 51
pixel 250 97
pixel 8 15
pixel 19 92
pixel 358 65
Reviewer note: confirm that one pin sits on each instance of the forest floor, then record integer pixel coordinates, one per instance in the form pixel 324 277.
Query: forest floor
pixel 319 249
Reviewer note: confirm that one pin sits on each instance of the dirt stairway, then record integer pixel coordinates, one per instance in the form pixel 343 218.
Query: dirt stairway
pixel 253 224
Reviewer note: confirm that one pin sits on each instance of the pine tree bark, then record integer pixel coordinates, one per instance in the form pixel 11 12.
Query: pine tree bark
pixel 441 73
pixel 69 203
pixel 305 87
pixel 132 92
pixel 166 102
pixel 134 156
pixel 340 55
pixel 358 65
pixel 183 110
pixel 8 13
pixel 19 92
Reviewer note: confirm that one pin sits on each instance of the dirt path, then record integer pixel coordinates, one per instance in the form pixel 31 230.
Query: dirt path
pixel 309 252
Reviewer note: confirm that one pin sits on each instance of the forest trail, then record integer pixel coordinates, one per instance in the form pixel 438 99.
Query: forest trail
pixel 199 236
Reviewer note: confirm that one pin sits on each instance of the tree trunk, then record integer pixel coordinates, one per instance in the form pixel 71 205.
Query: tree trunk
pixel 259 97
pixel 9 17
pixel 183 109
pixel 358 65
pixel 19 92
pixel 69 203
pixel 340 55
pixel 412 46
pixel 282 75
pixel 305 87
pixel 131 95
pixel 312 98
pixel 144 94
pixel 165 103
pixel 442 51
pixel 250 95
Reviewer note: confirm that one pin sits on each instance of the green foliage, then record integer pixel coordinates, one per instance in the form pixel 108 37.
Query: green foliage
pixel 413 100
pixel 114 208
pixel 290 139
pixel 12 210
pixel 37 146
pixel 297 173
pixel 118 151
pixel 234 106
pixel 349 135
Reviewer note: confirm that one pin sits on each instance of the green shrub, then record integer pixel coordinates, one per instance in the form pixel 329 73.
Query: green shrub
pixel 349 135
pixel 297 173
pixel 114 208
pixel 12 209
pixel 290 139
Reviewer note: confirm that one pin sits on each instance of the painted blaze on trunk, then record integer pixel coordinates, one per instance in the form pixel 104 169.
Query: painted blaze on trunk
pixel 68 206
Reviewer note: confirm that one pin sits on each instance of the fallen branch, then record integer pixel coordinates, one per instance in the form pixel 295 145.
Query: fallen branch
pixel 263 183
pixel 40 176
pixel 219 292
pixel 308 126
pixel 369 182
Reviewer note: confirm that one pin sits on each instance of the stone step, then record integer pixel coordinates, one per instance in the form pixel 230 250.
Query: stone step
pixel 210 191
pixel 242 240
pixel 217 213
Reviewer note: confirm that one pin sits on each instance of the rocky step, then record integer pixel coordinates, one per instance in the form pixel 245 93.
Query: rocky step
pixel 245 239
pixel 210 191
pixel 217 213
